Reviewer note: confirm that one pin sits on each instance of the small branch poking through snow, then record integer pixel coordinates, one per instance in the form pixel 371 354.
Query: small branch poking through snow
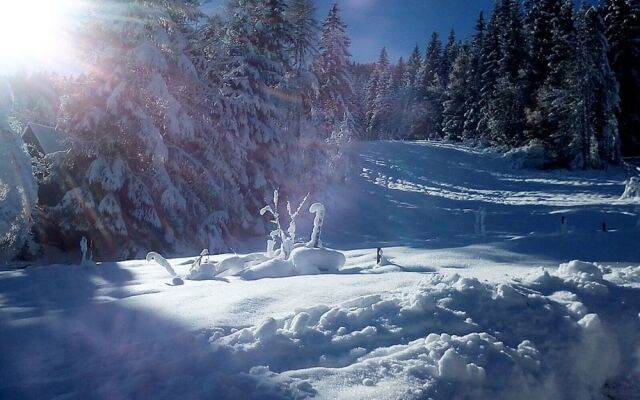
pixel 292 218
pixel 479 226
pixel 288 238
pixel 564 225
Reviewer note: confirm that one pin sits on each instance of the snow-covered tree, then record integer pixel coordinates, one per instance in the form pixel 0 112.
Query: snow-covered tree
pixel 134 132
pixel 18 189
pixel 579 104
pixel 596 140
pixel 490 53
pixel 332 69
pixel 430 91
pixel 414 64
pixel 398 73
pixel 504 107
pixel 378 97
pixel 551 52
pixel 382 107
pixel 449 55
pixel 304 33
pixel 456 95
pixel 541 21
pixel 622 19
pixel 432 63
pixel 476 70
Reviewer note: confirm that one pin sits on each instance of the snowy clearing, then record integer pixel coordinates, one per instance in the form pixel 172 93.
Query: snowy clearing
pixel 479 298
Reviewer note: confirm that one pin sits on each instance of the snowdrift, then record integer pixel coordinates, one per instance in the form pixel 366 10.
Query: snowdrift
pixel 554 335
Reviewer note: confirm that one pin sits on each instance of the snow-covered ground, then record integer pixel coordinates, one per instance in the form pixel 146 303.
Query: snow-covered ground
pixel 462 310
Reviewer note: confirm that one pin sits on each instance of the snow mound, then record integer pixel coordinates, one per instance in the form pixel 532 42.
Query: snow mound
pixel 627 275
pixel 580 270
pixel 532 156
pixel 201 272
pixel 586 277
pixel 632 189
pixel 451 337
pixel 275 268
pixel 313 261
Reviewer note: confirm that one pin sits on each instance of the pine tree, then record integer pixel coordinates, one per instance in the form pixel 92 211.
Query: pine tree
pixel 623 31
pixel 604 88
pixel 302 86
pixel 304 33
pixel 456 95
pixel 541 18
pixel 449 56
pixel 377 95
pixel 333 71
pixel 563 42
pixel 399 72
pixel 550 64
pixel 431 92
pixel 258 40
pixel 504 108
pixel 409 100
pixel 432 64
pixel 382 107
pixel 132 129
pixel 476 71
pixel 414 65
pixel 489 57
pixel 583 106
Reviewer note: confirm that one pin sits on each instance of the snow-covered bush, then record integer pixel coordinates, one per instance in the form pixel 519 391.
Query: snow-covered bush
pixel 18 188
pixel 534 155
pixel 632 189
pixel 287 238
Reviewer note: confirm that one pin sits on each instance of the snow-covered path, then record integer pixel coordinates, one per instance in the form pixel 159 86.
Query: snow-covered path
pixel 457 315
pixel 426 195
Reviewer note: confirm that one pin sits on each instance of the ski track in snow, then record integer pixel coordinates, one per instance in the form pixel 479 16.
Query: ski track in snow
pixel 455 315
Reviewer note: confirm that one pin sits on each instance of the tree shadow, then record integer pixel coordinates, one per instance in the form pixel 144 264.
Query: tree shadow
pixel 63 335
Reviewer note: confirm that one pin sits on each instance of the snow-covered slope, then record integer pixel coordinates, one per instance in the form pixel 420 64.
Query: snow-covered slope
pixel 426 195
pixel 454 314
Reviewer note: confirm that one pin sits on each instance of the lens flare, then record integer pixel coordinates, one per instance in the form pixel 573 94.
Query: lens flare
pixel 35 33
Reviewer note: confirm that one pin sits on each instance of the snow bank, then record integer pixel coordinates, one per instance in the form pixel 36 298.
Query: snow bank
pixel 531 156
pixel 548 337
pixel 625 276
pixel 632 189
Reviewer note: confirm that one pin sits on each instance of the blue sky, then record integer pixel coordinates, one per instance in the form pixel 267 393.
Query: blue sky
pixel 399 24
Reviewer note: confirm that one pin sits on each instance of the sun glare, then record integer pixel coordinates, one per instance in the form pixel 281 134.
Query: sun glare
pixel 34 33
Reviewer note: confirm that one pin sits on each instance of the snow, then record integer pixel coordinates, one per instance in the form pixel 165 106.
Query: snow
pixel 312 261
pixel 632 190
pixel 507 315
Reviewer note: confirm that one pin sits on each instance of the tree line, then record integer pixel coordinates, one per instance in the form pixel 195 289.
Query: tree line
pixel 561 82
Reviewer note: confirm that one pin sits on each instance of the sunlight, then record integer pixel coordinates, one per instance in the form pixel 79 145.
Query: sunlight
pixel 34 32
